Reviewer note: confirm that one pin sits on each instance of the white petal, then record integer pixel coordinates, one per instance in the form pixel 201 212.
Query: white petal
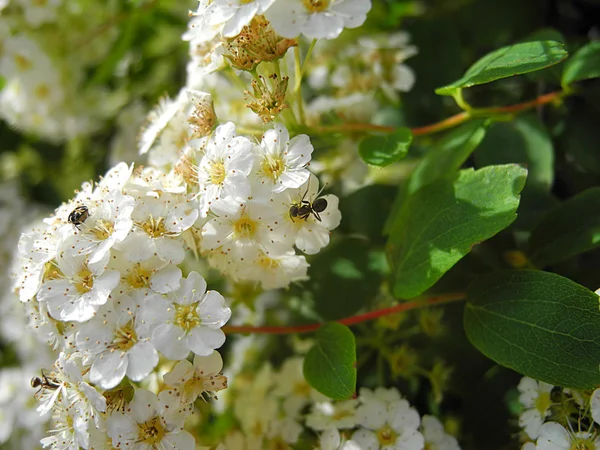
pixel 553 436
pixel 142 359
pixel 166 279
pixel 179 441
pixel 213 310
pixel 202 340
pixel 182 372
pixel 169 340
pixel 144 405
pixel 108 369
pixel 212 363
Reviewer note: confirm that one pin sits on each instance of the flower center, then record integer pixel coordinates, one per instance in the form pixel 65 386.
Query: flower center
pixel 302 389
pixel 85 280
pixel 138 277
pixel 103 229
pixel 217 173
pixel 316 6
pixel 186 316
pixel 386 436
pixel 583 444
pixel 543 402
pixel 42 91
pixel 272 167
pixel 22 62
pixel 154 227
pixel 245 227
pixel 267 263
pixel 124 338
pixel 151 432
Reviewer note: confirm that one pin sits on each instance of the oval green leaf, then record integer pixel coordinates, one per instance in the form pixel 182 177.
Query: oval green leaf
pixel 571 228
pixel 509 61
pixel 537 323
pixel 382 151
pixel 330 365
pixel 584 64
pixel 449 154
pixel 440 223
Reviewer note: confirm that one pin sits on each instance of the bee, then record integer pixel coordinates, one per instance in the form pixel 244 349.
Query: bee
pixel 44 382
pixel 78 215
pixel 305 208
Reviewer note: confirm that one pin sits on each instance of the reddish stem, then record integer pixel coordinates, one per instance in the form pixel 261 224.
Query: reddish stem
pixel 450 122
pixel 352 320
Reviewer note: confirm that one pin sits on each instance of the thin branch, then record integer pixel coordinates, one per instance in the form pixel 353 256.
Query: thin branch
pixel 450 122
pixel 352 320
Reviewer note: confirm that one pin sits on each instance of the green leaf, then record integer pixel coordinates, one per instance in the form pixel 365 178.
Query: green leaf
pixel 571 228
pixel 537 323
pixel 508 61
pixel 330 365
pixel 525 141
pixel 441 222
pixel 449 154
pixel 343 279
pixel 382 151
pixel 584 64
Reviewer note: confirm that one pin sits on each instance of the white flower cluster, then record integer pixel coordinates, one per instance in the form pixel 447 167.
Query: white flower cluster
pixel 44 60
pixel 101 284
pixel 278 406
pixel 545 430
pixel 313 18
pixel 256 200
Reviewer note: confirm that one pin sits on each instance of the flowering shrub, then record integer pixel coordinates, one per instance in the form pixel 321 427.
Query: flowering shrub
pixel 274 257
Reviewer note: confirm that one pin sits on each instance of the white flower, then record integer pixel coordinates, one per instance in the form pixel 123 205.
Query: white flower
pixel 233 15
pixel 36 247
pixel 144 426
pixel 274 271
pixel 68 383
pixel 116 347
pixel 158 221
pixel 191 381
pixel 553 436
pixel 241 229
pixel 76 290
pixel 392 425
pixel 292 387
pixel 435 436
pixel 281 162
pixel 189 318
pixel 225 166
pixel 330 439
pixel 310 230
pixel 109 223
pixel 339 415
pixel 159 119
pixel 316 19
pixel 150 275
pixel 535 398
pixel 69 430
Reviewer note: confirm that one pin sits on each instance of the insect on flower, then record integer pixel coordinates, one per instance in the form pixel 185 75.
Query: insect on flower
pixel 44 382
pixel 78 215
pixel 305 208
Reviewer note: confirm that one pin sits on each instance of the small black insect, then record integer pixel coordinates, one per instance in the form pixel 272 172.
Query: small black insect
pixel 78 215
pixel 305 208
pixel 44 382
